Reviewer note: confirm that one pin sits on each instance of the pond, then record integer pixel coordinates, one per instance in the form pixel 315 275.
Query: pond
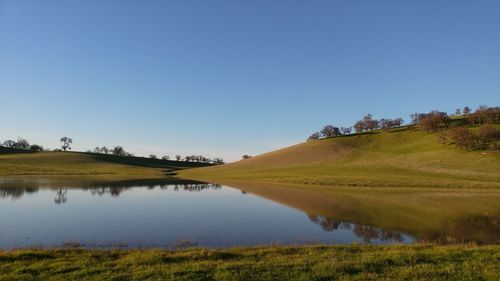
pixel 45 212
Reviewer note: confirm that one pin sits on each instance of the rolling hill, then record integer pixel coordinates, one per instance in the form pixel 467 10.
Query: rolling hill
pixel 16 162
pixel 402 157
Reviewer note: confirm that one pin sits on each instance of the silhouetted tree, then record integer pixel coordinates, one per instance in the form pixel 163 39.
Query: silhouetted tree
pixel 66 142
pixel 104 150
pixel 246 156
pixel 457 111
pixel 9 143
pixel 118 150
pixel 36 147
pixel 152 156
pixel 22 143
pixel 218 161
pixel 165 157
pixel 178 157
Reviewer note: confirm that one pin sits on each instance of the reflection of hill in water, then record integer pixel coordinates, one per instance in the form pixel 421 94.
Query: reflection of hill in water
pixel 467 229
pixel 365 232
pixel 17 188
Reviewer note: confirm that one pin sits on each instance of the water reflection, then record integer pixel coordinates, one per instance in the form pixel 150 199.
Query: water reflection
pixel 155 213
pixel 16 189
pixel 365 232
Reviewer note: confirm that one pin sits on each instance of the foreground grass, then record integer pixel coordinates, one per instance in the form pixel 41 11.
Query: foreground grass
pixel 417 262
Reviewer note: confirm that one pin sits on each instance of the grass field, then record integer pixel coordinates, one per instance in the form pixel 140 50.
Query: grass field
pixel 353 262
pixel 398 158
pixel 105 167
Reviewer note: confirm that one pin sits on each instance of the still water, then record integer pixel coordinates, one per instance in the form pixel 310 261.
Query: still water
pixel 37 212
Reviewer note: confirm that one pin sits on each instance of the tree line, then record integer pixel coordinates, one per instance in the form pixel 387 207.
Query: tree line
pixel 368 123
pixel 485 137
pixel 66 143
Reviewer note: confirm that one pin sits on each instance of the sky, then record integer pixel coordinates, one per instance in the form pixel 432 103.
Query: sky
pixel 227 78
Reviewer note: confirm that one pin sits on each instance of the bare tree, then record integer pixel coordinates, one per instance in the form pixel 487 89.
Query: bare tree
pixel 370 123
pixel 22 143
pixel 152 156
pixel 66 142
pixel 178 157
pixel 463 137
pixel 359 127
pixel 165 157
pixel 104 150
pixel 314 136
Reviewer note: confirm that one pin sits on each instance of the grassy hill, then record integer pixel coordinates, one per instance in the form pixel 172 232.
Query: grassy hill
pixel 19 162
pixel 402 157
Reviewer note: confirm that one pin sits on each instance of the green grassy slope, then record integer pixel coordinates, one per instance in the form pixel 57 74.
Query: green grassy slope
pixel 399 158
pixel 262 263
pixel 86 164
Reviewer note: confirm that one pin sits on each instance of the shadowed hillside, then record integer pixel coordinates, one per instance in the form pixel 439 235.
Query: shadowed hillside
pixel 401 157
pixel 21 162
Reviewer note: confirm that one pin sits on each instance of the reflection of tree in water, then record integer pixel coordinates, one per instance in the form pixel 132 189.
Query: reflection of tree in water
pixel 16 193
pixel 102 190
pixel 367 233
pixel 61 196
pixel 192 187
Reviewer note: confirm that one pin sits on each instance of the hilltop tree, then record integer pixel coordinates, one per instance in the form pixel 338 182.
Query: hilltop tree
pixel 118 150
pixel 178 157
pixel 314 136
pixel 434 121
pixel 346 131
pixel 330 131
pixel 9 143
pixel 485 114
pixel 457 111
pixel 22 143
pixel 370 123
pixel 152 156
pixel 104 150
pixel 359 127
pixel 165 157
pixel 466 110
pixel 218 161
pixel 66 142
pixel 246 156
pixel 36 147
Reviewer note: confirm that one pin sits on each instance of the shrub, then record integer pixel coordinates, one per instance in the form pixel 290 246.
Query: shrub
pixel 463 138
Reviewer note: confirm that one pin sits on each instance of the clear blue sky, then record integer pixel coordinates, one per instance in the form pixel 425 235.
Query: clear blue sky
pixel 226 78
